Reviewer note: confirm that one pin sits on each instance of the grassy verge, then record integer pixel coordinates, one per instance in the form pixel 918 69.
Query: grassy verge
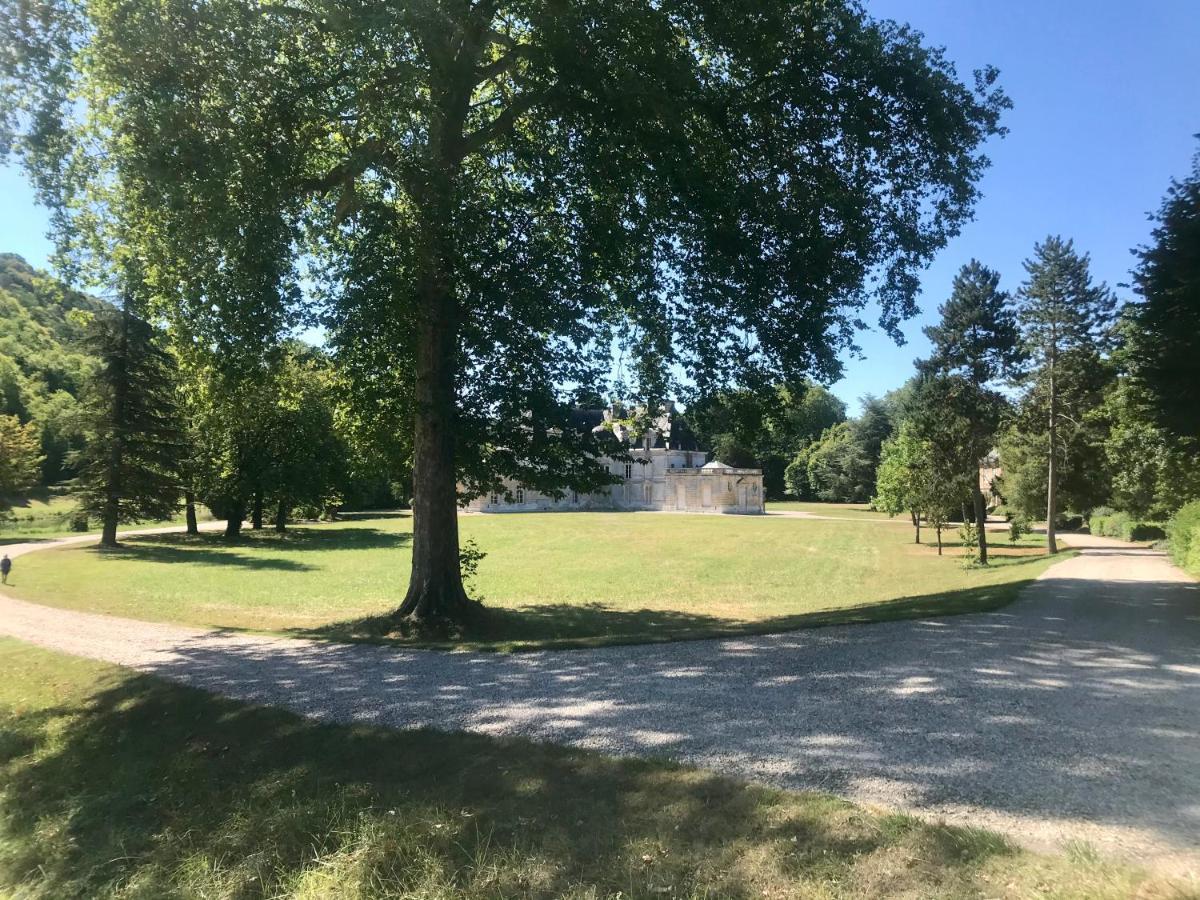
pixel 117 785
pixel 549 580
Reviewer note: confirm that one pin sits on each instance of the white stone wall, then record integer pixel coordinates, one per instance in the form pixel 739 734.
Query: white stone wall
pixel 673 480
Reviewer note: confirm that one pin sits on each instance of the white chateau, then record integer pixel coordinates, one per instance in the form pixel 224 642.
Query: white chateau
pixel 667 472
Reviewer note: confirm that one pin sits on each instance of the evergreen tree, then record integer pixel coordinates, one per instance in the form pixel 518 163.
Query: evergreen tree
pixel 977 339
pixel 1166 343
pixel 1064 320
pixel 128 470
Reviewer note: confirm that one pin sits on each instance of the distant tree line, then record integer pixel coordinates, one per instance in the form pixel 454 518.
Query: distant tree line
pixel 1087 405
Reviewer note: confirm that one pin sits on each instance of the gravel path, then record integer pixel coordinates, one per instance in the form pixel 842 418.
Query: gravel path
pixel 1072 714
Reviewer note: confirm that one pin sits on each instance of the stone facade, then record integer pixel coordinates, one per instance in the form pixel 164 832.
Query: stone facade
pixel 662 475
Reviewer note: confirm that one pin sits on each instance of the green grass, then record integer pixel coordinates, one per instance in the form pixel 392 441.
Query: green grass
pixel 49 516
pixel 119 785
pixel 841 510
pixel 554 579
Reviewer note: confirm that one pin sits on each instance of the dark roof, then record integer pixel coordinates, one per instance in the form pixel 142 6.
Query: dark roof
pixel 586 419
pixel 682 437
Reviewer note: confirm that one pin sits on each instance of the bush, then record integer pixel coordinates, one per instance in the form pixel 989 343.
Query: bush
pixel 1183 532
pixel 1068 522
pixel 1122 526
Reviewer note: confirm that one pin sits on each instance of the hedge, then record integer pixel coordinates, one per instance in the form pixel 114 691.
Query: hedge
pixel 1123 526
pixel 1183 531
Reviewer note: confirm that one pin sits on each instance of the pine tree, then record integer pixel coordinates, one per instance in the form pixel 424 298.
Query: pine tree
pixel 128 469
pixel 1064 320
pixel 978 340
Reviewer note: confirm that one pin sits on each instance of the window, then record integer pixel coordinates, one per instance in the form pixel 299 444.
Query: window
pixel 495 499
pixel 628 470
pixel 520 495
pixel 574 496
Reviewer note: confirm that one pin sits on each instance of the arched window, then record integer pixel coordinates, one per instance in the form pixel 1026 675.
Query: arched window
pixel 520 495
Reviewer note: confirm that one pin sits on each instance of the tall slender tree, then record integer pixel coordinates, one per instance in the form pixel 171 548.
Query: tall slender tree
pixel 500 191
pixel 977 338
pixel 20 459
pixel 128 470
pixel 1065 322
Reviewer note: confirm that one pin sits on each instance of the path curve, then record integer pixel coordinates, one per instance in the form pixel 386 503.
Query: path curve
pixel 1073 714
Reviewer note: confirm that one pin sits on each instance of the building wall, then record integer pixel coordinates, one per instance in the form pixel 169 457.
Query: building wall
pixel 656 480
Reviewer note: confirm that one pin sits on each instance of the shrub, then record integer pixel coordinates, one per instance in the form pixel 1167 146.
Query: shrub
pixel 1017 526
pixel 1183 532
pixel 1122 526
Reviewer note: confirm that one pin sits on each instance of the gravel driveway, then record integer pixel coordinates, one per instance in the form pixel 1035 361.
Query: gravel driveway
pixel 1072 714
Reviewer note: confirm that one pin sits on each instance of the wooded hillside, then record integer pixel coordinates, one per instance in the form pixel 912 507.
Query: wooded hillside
pixel 42 365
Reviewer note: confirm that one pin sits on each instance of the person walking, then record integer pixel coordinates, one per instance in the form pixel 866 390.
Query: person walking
pixel 5 568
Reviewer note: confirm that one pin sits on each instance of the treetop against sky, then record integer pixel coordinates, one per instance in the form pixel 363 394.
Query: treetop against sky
pixel 1104 112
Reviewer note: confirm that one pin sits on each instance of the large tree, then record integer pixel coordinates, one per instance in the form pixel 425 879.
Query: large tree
pixel 1165 344
pixel 977 339
pixel 500 192
pixel 1065 320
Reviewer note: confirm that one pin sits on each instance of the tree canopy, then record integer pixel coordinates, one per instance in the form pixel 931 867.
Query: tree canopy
pixel 1165 342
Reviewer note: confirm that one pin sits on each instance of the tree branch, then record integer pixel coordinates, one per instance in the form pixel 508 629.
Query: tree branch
pixel 503 123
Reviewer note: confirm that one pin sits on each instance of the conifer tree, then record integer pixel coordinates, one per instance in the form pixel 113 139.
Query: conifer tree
pixel 1064 320
pixel 128 468
pixel 977 339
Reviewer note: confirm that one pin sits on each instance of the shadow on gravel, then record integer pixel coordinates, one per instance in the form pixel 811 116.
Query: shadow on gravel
pixel 184 794
pixel 550 626
pixel 1079 703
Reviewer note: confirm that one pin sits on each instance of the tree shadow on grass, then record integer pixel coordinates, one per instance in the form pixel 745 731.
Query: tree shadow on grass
pixel 563 626
pixel 212 548
pixel 181 793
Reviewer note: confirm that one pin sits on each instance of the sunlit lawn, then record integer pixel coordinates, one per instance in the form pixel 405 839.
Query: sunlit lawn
pixel 119 785
pixel 840 510
pixel 50 517
pixel 547 578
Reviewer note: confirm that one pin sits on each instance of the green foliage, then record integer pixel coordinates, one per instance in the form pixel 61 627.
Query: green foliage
pixel 977 335
pixel 767 429
pixel 1183 532
pixel 838 468
pixel 275 437
pixel 1065 322
pixel 43 366
pixel 1018 526
pixel 1152 470
pixel 1166 344
pixel 20 458
pixel 1111 523
pixel 128 472
pixel 968 536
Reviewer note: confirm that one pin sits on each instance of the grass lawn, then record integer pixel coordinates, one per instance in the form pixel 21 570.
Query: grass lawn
pixel 549 579
pixel 119 785
pixel 50 517
pixel 841 510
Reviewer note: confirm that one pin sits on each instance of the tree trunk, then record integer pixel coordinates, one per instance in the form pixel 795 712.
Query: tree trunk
pixel 281 514
pixel 189 505
pixel 435 588
pixel 1051 473
pixel 981 522
pixel 256 519
pixel 916 520
pixel 233 524
pixel 939 539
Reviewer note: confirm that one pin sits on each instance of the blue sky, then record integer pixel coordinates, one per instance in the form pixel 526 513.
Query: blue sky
pixel 1106 100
